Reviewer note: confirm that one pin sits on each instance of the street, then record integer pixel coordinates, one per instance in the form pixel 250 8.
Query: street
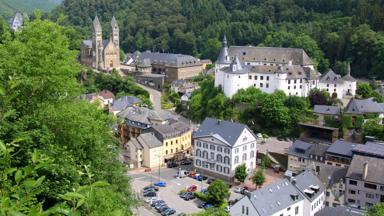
pixel 154 96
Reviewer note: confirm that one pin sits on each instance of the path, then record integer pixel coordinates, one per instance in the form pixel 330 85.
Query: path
pixel 154 96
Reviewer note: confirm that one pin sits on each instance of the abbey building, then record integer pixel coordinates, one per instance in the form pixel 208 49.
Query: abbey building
pixel 101 54
pixel 273 68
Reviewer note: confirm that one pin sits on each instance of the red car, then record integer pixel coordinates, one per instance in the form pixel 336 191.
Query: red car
pixel 192 188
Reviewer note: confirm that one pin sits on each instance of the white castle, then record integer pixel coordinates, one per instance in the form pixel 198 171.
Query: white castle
pixel 270 68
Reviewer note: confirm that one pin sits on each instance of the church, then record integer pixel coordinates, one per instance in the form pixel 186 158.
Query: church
pixel 274 68
pixel 103 55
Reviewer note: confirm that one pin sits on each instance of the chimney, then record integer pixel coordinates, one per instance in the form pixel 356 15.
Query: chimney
pixel 365 170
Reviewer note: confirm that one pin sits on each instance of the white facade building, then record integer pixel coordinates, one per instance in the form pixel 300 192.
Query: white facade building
pixel 221 146
pixel 299 196
pixel 271 68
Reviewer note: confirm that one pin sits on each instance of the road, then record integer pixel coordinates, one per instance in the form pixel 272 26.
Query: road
pixel 154 96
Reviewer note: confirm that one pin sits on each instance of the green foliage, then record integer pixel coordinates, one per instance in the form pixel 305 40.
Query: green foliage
pixel 266 162
pixel 212 212
pixel 218 193
pixel 317 97
pixel 40 112
pixel 365 90
pixel 259 178
pixel 241 173
pixel 373 128
pixel 347 121
pixel 9 7
pixel 376 210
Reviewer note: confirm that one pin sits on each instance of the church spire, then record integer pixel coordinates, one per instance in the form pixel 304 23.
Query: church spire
pixel 349 69
pixel 114 22
pixel 225 44
pixel 224 54
pixel 96 24
pixel 236 64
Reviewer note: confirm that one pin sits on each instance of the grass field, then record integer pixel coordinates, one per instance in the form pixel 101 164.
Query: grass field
pixel 9 7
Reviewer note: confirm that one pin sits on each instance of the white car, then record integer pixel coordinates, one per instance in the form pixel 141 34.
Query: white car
pixel 150 200
pixel 239 189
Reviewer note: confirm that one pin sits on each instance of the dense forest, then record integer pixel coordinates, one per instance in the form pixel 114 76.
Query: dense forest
pixel 9 7
pixel 331 31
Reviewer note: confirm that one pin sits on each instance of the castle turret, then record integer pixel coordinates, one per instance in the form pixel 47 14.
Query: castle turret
pixel 115 32
pixel 224 55
pixel 350 82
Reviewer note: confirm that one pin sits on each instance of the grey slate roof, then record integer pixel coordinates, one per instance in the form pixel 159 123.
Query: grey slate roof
pixel 274 197
pixel 87 43
pixel 300 148
pixel 338 211
pixel 330 77
pixel 375 168
pixel 228 131
pixel 135 143
pixel 318 149
pixel 370 148
pixel 327 110
pixel 304 181
pixel 124 102
pixel 363 106
pixel 342 148
pixel 271 54
pixel 329 175
pixel 96 24
pixel 166 131
pixel 168 59
pixel 221 59
pixel 149 140
pixel 139 115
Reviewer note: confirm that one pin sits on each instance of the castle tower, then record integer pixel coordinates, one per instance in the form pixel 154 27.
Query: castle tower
pixel 97 44
pixel 115 32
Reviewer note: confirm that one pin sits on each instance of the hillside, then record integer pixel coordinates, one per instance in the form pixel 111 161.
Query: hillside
pixel 8 7
pixel 331 31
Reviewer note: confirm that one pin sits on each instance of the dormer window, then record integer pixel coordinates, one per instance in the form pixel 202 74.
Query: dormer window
pixel 328 78
pixel 244 53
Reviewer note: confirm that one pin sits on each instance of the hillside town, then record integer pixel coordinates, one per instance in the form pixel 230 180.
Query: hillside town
pixel 259 131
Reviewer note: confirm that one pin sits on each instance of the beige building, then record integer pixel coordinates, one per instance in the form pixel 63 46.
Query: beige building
pixel 176 139
pixel 144 151
pixel 101 54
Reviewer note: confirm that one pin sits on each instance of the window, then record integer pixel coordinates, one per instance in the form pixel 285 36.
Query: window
pixel 294 81
pixel 219 158
pixel 226 160
pixel 351 201
pixel 198 153
pixel 227 151
pixel 261 84
pixel 267 77
pixel 205 145
pixel 244 156
pixel 243 209
pixel 289 81
pixel 301 80
pixel 370 186
pixel 250 77
pixel 198 144
pixel 327 85
pixel 212 156
pixel 289 208
pixel 166 144
pixel 171 142
pixel 252 145
pixel 205 154
pixel 198 162
pixel 294 87
pixel 236 159
pixel 261 78
pixel 255 77
pixel 301 86
pixel 370 196
pixel 247 211
pixel 245 148
pixel 219 149
pixel 176 141
pixel 289 87
pixel 296 210
pixel 212 147
pixel 252 154
pixel 352 191
pixel 236 150
pixel 171 151
pixel 166 151
pixel 267 85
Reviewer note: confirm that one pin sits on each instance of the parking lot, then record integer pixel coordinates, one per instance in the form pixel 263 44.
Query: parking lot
pixel 170 193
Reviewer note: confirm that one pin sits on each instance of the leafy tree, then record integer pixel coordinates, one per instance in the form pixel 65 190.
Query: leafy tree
pixel 212 212
pixel 376 210
pixel 259 178
pixel 372 128
pixel 266 162
pixel 364 90
pixel 241 173
pixel 317 97
pixel 218 192
pixel 274 112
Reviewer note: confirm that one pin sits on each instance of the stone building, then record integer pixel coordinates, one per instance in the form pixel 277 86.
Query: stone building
pixel 101 54
pixel 274 68
pixel 16 22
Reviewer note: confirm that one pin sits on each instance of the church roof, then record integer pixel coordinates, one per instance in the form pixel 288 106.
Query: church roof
pixel 222 58
pixel 96 24
pixel 271 54
pixel 330 77
pixel 363 106
pixel 114 22
pixel 87 43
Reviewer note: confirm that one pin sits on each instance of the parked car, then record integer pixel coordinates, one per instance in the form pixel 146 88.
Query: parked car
pixel 201 177
pixel 154 203
pixel 189 196
pixel 192 174
pixel 162 208
pixel 171 165
pixel 208 205
pixel 182 214
pixel 210 180
pixel 238 190
pixel 227 208
pixel 151 200
pixel 161 184
pixel 148 190
pixel 183 195
pixel 186 162
pixel 204 191
pixel 192 188
pixel 168 212
pixel 150 187
pixel 181 173
pixel 160 205
pixel 149 194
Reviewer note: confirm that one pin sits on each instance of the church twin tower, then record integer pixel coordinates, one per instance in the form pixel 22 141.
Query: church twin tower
pixel 105 53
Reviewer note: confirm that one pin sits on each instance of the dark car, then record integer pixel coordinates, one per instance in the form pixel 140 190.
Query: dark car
pixel 201 178
pixel 186 162
pixel 189 197
pixel 162 208
pixel 150 187
pixel 183 195
pixel 157 202
pixel 150 194
pixel 148 190
pixel 210 180
pixel 168 212
pixel 160 205
pixel 201 205
pixel 171 165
